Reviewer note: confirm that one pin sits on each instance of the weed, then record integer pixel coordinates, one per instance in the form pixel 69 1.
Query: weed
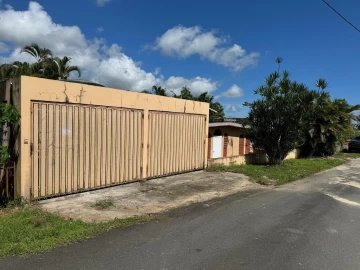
pixel 29 230
pixel 101 205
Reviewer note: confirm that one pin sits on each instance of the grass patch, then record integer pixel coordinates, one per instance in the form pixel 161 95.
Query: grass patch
pixel 26 230
pixel 346 155
pixel 291 170
pixel 101 205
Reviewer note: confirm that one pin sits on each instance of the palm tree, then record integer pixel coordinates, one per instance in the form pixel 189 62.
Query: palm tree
pixel 22 68
pixel 40 54
pixel 159 91
pixel 329 122
pixel 62 69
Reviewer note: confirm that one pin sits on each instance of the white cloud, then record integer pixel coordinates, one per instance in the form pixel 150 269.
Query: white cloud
pixel 157 71
pixel 233 108
pixel 233 92
pixel 35 24
pixel 101 3
pixel 119 71
pixel 100 29
pixel 98 61
pixel 197 85
pixel 187 41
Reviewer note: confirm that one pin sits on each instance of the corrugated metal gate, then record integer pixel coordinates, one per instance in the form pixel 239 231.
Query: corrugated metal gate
pixel 80 147
pixel 176 143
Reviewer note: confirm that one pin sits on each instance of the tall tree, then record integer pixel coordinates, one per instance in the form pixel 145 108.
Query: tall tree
pixel 40 54
pixel 24 68
pixel 276 118
pixel 185 93
pixel 328 124
pixel 63 70
pixel 218 112
pixel 159 91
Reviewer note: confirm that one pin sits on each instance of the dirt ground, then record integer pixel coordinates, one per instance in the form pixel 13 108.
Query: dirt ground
pixel 149 197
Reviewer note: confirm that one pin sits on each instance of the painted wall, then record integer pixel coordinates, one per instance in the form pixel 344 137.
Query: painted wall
pixel 29 89
pixel 234 145
pixel 253 158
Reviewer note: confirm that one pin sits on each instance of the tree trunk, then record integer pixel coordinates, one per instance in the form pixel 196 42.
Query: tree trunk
pixel 275 161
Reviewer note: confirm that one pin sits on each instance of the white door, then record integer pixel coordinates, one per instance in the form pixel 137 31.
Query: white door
pixel 217 140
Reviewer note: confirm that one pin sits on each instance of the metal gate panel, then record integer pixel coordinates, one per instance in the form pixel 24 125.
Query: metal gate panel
pixel 176 143
pixel 80 147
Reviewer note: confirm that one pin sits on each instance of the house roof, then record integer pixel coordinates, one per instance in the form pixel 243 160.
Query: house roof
pixel 229 122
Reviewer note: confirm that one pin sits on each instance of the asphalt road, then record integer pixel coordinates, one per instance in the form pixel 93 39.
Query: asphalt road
pixel 311 224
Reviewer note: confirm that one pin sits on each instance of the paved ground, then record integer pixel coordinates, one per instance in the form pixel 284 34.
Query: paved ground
pixel 149 197
pixel 311 224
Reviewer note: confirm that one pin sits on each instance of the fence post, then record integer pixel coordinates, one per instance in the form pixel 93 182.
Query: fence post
pixel 145 144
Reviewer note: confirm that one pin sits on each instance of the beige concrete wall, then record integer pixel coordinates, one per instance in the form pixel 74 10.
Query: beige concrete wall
pixel 42 90
pixel 254 158
pixel 235 160
pixel 239 160
pixel 293 154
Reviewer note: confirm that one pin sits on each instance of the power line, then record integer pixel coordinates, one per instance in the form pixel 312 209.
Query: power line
pixel 357 29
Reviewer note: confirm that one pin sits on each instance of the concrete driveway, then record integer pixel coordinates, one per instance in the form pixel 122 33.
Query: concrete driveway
pixel 149 197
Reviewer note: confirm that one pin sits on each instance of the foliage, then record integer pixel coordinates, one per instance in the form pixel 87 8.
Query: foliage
pixel 158 90
pixel 40 54
pixel 219 110
pixel 328 123
pixel 9 116
pixel 291 170
pixel 289 115
pixel 18 201
pixel 356 133
pixel 4 154
pixel 27 230
pixel 185 93
pixel 45 65
pixel 63 69
pixel 276 118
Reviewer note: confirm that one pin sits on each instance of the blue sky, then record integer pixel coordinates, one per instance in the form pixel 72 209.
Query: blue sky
pixel 196 43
